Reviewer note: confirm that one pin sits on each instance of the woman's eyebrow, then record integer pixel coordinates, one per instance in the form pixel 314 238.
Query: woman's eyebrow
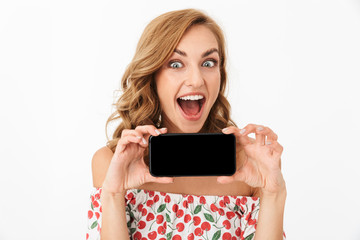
pixel 205 54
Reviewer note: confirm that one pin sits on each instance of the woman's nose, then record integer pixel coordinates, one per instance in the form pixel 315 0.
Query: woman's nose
pixel 194 78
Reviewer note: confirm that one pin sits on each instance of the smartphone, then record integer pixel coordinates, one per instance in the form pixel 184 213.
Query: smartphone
pixel 192 154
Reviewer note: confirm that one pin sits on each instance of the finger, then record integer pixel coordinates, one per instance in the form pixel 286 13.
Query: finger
pixel 148 130
pixel 276 147
pixel 225 179
pixel 124 141
pixel 251 128
pixel 238 176
pixel 244 140
pixel 150 178
pixel 270 135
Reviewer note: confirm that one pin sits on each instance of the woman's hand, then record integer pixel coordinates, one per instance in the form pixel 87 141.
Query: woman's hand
pixel 127 168
pixel 258 162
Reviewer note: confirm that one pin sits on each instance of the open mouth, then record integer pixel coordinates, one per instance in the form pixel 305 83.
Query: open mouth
pixel 191 108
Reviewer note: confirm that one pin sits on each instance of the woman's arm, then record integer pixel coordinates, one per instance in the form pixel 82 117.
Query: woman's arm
pixel 271 214
pixel 113 217
pixel 113 224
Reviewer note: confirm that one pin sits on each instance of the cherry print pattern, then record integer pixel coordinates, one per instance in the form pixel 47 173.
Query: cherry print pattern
pixel 169 216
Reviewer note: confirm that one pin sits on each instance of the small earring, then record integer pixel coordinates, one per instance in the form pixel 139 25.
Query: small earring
pixel 159 121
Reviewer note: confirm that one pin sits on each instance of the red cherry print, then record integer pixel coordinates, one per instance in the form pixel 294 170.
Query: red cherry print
pixel 144 211
pixel 164 225
pixel 96 204
pixel 133 201
pixel 187 218
pixel 205 226
pixel 226 236
pixel 162 193
pixel 242 209
pixel 100 208
pixel 92 198
pixel 190 199
pixel 198 232
pixel 226 199
pixel 242 235
pixel 156 198
pixel 98 227
pixel 283 233
pixel 252 221
pixel 140 207
pixel 180 213
pixel 221 203
pixel 253 207
pixel 238 214
pixel 176 237
pixel 233 238
pixel 248 216
pixel 197 220
pixel 238 231
pixel 87 236
pixel 152 235
pixel 190 236
pixel 237 202
pixel 137 236
pixel 226 224
pixel 90 214
pixel 167 199
pixel 141 224
pixel 221 212
pixel 175 208
pixel 202 200
pixel 150 217
pixel 161 230
pixel 243 200
pixel 97 196
pixel 100 190
pixel 254 198
pixel 214 208
pixel 185 204
pixel 180 226
pixel 151 193
pixel 230 215
pixel 162 239
pixel 97 215
pixel 149 203
pixel 144 238
pixel 130 196
pixel 159 219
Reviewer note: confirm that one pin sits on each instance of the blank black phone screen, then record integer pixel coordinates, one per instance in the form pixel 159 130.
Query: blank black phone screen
pixel 192 154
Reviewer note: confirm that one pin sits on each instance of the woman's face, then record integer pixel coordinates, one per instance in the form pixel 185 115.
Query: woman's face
pixel 189 81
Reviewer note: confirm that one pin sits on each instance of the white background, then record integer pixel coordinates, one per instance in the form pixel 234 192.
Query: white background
pixel 294 66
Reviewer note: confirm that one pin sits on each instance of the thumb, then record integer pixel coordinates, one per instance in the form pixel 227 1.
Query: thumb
pixel 150 178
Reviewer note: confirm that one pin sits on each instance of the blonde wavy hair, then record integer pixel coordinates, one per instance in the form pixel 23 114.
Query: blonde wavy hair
pixel 139 104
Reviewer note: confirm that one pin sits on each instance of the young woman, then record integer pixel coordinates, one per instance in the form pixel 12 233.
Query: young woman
pixel 175 84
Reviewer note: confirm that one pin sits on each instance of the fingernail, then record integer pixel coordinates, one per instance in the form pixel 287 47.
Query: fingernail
pixel 242 131
pixel 225 129
pixel 157 131
pixel 267 142
pixel 163 129
pixel 144 141
pixel 260 128
pixel 138 137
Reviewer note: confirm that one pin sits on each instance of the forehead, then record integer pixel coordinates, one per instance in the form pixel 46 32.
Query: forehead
pixel 198 37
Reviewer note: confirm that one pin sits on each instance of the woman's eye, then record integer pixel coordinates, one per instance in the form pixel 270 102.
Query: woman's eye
pixel 209 63
pixel 175 65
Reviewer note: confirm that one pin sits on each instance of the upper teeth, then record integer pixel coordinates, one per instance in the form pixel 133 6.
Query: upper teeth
pixel 192 97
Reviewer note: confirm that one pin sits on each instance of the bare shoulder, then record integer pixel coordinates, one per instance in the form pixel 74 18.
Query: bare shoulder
pixel 100 164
